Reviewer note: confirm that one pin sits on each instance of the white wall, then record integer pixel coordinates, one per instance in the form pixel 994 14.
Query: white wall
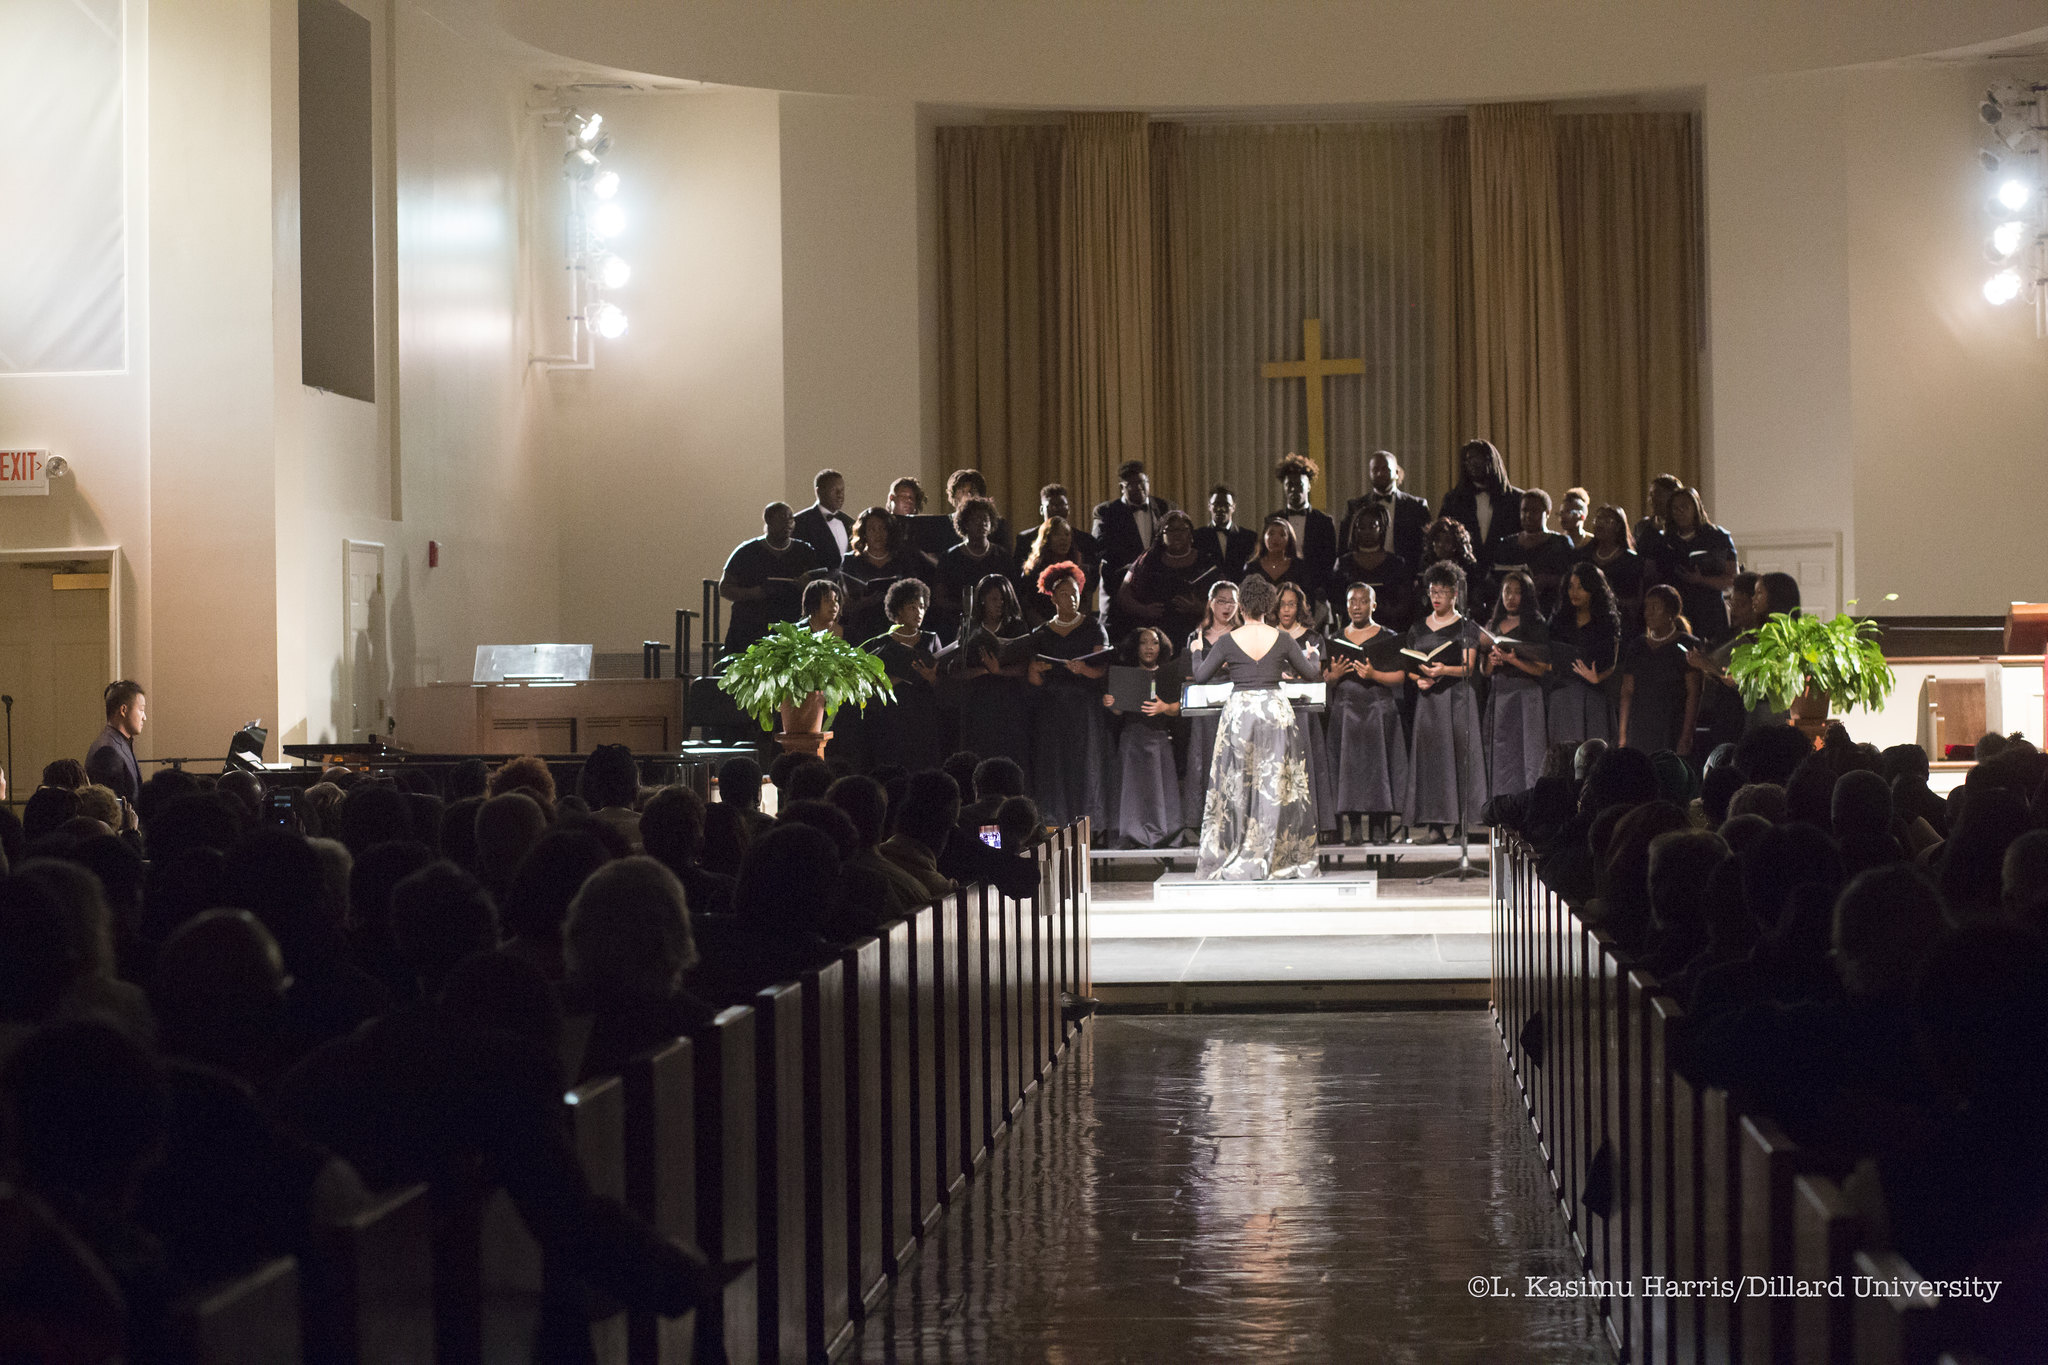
pixel 852 373
pixel 1858 380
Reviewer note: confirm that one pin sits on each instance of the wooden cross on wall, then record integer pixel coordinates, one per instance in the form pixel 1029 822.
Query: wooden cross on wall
pixel 1312 367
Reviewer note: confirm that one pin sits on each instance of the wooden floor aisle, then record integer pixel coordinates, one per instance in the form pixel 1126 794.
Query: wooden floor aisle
pixel 1253 1188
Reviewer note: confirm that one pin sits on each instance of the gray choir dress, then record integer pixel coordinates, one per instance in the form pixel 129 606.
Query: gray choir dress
pixel 1447 766
pixel 1259 820
pixel 1368 744
pixel 1517 724
pixel 1316 650
pixel 1146 807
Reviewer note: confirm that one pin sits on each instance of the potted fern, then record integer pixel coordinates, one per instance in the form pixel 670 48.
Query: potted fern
pixel 802 677
pixel 1808 664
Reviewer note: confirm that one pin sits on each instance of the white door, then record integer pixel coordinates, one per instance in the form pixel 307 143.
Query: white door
pixel 365 660
pixel 53 663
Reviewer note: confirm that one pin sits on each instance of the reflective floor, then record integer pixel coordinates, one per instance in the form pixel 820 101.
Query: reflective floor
pixel 1253 1188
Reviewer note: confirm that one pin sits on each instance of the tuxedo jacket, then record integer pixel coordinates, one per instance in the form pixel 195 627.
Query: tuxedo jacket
pixel 811 530
pixel 1232 549
pixel 1318 539
pixel 1411 516
pixel 1461 506
pixel 1115 530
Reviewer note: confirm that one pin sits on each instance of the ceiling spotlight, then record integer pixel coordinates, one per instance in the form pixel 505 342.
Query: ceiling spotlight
pixel 610 321
pixel 593 124
pixel 2005 238
pixel 2014 194
pixel 606 185
pixel 579 165
pixel 2003 287
pixel 1989 111
pixel 614 272
pixel 1988 159
pixel 608 221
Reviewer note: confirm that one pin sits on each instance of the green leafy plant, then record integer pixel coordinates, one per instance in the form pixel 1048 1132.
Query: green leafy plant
pixel 1839 659
pixel 790 663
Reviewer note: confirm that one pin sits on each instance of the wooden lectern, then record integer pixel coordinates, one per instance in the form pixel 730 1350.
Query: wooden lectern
pixel 2026 628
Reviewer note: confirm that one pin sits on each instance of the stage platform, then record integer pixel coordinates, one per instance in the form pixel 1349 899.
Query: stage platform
pixel 1348 939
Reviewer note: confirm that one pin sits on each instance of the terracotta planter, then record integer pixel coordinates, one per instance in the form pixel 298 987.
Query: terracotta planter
pixel 1810 712
pixel 803 726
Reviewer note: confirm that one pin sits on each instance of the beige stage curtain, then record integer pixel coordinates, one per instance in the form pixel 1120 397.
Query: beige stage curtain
pixel 1106 299
pixel 1342 222
pixel 1172 322
pixel 1521 363
pixel 1630 191
pixel 999 351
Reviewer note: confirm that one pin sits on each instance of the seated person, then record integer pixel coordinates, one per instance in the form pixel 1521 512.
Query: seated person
pixel 627 945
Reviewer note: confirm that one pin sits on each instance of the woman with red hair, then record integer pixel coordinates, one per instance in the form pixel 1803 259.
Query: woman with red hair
pixel 1069 749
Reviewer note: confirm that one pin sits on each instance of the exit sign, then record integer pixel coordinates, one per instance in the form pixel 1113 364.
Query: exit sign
pixel 24 473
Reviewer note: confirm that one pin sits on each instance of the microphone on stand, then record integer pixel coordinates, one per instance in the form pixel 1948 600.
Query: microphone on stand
pixel 8 702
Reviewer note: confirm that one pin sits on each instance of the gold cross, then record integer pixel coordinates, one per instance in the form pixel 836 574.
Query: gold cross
pixel 1312 367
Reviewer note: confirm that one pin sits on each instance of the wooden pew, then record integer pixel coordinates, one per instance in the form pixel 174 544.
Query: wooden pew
pixel 902 1214
pixel 828 1323
pixel 926 1091
pixel 1769 1161
pixel 252 1319
pixel 661 1180
pixel 727 1213
pixel 1641 1162
pixel 968 952
pixel 367 1291
pixel 948 1059
pixel 1894 1328
pixel 779 1170
pixel 1005 1081
pixel 1603 1046
pixel 1660 1329
pixel 1688 1315
pixel 1825 1231
pixel 597 1117
pixel 867 1105
pixel 1720 1220
pixel 1582 1124
pixel 1080 834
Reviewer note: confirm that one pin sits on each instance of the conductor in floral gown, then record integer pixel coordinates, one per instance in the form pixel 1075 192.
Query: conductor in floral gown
pixel 1260 818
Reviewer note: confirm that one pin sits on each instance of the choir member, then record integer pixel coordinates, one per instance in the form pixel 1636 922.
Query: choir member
pixel 1219 620
pixel 966 564
pixel 878 559
pixel 1447 763
pixel 1147 808
pixel 906 731
pixel 1483 501
pixel 1053 502
pixel 1698 558
pixel 906 497
pixel 1368 561
pixel 1314 532
pixel 823 601
pixel 1368 743
pixel 1587 623
pixel 1054 542
pixel 969 483
pixel 1232 544
pixel 1537 550
pixel 1166 587
pixel 1448 542
pixel 1571 517
pixel 1068 746
pixel 1517 731
pixel 1279 560
pixel 995 703
pixel 1656 500
pixel 1290 615
pixel 1126 526
pixel 1407 516
pixel 1617 560
pixel 763 578
pixel 1660 695
pixel 824 525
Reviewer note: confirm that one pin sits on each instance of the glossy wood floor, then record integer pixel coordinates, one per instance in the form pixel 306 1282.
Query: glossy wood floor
pixel 1253 1188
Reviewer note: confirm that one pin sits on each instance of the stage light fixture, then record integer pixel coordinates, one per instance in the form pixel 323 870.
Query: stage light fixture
pixel 610 321
pixel 606 185
pixel 1988 159
pixel 608 221
pixel 1989 110
pixel 614 272
pixel 592 127
pixel 2006 237
pixel 2014 194
pixel 2003 287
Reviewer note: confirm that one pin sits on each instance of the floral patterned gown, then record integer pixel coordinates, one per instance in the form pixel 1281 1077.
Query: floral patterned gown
pixel 1259 819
